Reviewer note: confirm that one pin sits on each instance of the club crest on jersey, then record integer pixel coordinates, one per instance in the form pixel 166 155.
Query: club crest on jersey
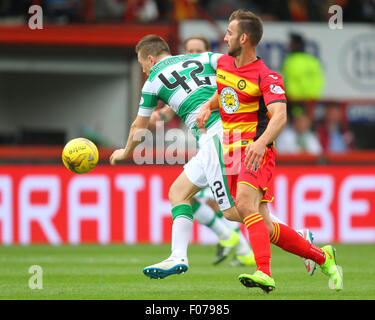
pixel 229 100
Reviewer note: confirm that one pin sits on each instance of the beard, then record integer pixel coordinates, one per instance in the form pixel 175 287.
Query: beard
pixel 235 51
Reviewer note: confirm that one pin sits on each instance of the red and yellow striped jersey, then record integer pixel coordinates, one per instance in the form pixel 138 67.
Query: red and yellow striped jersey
pixel 244 94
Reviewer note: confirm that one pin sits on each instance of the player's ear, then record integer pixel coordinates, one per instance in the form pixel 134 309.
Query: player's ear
pixel 243 38
pixel 151 59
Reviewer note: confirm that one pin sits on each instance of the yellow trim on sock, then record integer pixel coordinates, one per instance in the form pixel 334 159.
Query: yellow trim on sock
pixel 276 233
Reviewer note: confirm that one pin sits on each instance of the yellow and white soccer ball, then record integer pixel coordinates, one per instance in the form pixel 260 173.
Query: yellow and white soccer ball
pixel 80 155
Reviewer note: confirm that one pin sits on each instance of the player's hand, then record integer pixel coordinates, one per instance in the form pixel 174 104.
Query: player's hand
pixel 155 116
pixel 203 115
pixel 254 154
pixel 116 156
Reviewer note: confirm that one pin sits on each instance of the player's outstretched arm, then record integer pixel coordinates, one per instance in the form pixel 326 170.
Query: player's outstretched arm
pixel 255 151
pixel 137 128
pixel 205 111
pixel 165 114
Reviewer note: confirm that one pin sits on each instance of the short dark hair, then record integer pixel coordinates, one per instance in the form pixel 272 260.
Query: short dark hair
pixel 248 23
pixel 200 37
pixel 152 45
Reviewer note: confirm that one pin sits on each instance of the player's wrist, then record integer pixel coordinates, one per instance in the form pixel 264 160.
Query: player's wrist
pixel 262 141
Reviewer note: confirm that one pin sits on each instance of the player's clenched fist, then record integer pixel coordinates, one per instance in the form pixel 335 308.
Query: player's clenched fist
pixel 117 155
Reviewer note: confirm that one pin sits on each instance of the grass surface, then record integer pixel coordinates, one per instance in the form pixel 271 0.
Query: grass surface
pixel 115 272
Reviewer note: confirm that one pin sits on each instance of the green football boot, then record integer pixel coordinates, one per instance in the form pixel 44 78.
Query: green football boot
pixel 330 268
pixel 258 279
pixel 246 260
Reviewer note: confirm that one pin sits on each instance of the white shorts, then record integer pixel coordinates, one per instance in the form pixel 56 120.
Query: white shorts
pixel 206 168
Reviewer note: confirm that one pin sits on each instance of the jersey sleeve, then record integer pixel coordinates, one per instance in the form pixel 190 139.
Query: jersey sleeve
pixel 272 87
pixel 214 57
pixel 149 100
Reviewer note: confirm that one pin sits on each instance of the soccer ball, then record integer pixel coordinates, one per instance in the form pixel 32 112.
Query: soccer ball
pixel 80 155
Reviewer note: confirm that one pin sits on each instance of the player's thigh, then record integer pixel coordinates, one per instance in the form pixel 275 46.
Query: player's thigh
pixel 248 199
pixel 182 190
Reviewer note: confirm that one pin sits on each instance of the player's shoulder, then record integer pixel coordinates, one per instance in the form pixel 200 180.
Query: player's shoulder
pixel 204 56
pixel 225 58
pixel 267 73
pixel 167 62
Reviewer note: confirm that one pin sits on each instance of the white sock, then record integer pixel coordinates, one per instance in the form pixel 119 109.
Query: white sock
pixel 233 225
pixel 243 247
pixel 206 216
pixel 181 233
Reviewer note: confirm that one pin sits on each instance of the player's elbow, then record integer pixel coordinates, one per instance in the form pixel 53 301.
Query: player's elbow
pixel 140 123
pixel 283 119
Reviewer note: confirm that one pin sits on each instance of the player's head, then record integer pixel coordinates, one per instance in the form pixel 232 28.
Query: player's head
pixel 296 43
pixel 196 43
pixel 150 49
pixel 244 29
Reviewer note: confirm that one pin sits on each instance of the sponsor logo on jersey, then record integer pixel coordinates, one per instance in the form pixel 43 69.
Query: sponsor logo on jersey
pixel 276 89
pixel 142 101
pixel 241 84
pixel 221 76
pixel 273 77
pixel 229 100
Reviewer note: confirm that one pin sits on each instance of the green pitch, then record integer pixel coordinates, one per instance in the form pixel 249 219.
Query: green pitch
pixel 115 272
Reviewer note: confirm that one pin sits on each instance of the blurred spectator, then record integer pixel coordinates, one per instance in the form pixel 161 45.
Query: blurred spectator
pixel 196 43
pixel 358 10
pixel 15 10
pixel 60 11
pixel 143 10
pixel 130 11
pixel 333 134
pixel 5 6
pixel 111 10
pixel 185 9
pixel 164 8
pixel 299 138
pixel 303 73
pixel 222 9
pixel 292 10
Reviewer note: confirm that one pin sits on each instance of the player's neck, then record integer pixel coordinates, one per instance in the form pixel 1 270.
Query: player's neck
pixel 246 57
pixel 161 57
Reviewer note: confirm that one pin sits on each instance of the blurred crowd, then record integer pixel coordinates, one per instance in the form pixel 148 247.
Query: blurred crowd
pixel 302 72
pixel 81 11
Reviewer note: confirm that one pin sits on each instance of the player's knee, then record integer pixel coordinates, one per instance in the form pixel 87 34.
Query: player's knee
pixel 245 207
pixel 173 195
pixel 269 224
pixel 232 214
pixel 176 196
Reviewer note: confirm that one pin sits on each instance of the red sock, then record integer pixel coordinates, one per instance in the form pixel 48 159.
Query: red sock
pixel 259 241
pixel 289 240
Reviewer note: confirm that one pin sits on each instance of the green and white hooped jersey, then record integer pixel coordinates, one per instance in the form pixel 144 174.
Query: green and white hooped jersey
pixel 183 82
